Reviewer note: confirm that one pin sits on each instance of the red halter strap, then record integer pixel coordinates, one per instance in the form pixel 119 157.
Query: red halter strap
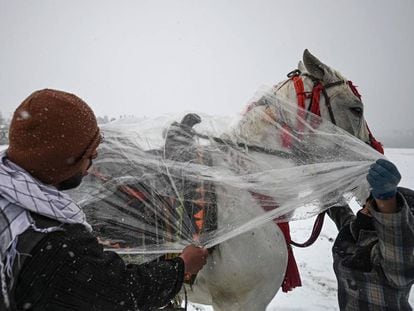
pixel 301 96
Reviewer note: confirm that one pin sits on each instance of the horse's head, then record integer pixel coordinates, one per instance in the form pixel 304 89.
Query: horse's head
pixel 336 96
pixel 315 87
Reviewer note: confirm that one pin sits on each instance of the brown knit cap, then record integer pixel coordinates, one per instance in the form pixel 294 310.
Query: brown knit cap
pixel 50 133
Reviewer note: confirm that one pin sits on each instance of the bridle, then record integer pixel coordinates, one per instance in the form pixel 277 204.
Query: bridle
pixel 318 90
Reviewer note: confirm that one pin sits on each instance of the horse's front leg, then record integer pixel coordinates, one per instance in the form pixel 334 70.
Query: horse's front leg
pixel 243 273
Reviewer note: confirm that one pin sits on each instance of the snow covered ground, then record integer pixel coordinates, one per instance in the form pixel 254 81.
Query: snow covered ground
pixel 318 291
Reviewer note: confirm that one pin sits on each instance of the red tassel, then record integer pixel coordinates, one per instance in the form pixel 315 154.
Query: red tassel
pixel 292 276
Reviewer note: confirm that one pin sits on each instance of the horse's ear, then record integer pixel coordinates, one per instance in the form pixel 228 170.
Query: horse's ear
pixel 314 66
pixel 301 67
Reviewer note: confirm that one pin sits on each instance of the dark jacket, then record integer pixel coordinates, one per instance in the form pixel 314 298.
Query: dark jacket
pixel 68 270
pixel 373 256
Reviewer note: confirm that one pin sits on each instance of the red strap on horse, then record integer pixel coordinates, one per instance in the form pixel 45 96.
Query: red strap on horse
pixel 300 90
pixel 354 89
pixel 292 275
pixel 316 230
pixel 375 143
pixel 316 95
pixel 301 95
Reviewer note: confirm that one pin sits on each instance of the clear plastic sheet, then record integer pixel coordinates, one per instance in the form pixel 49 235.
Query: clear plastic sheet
pixel 160 184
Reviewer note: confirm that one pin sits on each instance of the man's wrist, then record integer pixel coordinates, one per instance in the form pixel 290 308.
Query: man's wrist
pixel 387 206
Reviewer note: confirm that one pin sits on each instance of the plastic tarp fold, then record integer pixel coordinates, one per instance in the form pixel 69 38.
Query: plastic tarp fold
pixel 159 184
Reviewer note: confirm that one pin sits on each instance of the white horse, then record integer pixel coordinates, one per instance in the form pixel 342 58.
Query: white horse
pixel 246 272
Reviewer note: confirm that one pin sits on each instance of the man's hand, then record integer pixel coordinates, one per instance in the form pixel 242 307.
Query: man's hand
pixel 194 258
pixel 383 176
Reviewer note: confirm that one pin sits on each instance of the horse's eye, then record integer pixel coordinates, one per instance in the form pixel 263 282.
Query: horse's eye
pixel 357 111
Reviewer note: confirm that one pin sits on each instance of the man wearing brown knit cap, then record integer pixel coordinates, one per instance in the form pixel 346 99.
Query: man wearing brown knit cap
pixel 51 134
pixel 49 258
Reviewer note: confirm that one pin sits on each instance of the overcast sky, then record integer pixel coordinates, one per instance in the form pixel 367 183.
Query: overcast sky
pixel 153 57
